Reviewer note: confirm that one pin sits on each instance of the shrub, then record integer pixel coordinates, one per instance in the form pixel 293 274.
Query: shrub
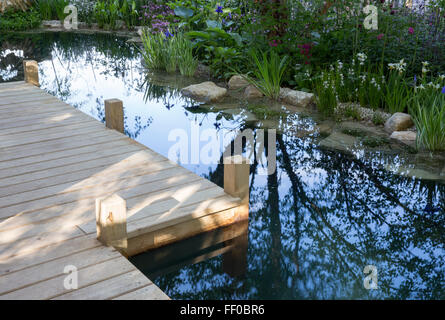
pixel 165 51
pixel 19 20
pixel 326 94
pixel 428 112
pixel 268 71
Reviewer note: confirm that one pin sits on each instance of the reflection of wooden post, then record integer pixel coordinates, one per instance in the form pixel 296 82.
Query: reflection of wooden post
pixel 111 222
pixel 114 114
pixel 236 182
pixel 234 261
pixel 31 69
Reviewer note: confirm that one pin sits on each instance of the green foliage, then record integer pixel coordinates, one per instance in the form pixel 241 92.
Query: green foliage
pixel 168 52
pixel 45 8
pixel 186 61
pixel 430 123
pixel 128 13
pixel 378 119
pixel 218 49
pixel 326 94
pixel 397 93
pixel 12 20
pixel 195 15
pixel 107 13
pixel 427 107
pixel 351 111
pixel 268 71
pixel 52 9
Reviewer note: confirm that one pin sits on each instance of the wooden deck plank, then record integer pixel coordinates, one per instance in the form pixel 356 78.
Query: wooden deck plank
pixel 106 144
pixel 109 173
pixel 55 161
pixel 49 253
pixel 125 157
pixel 27 138
pixel 54 287
pixel 75 141
pixel 110 288
pixel 17 280
pixel 67 159
pixel 159 181
pixel 151 292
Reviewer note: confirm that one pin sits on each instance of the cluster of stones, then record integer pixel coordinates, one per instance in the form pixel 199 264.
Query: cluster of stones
pixel 398 126
pixel 210 92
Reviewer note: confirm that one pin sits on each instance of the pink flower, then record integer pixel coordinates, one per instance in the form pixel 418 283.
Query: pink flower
pixel 410 30
pixel 273 43
pixel 380 36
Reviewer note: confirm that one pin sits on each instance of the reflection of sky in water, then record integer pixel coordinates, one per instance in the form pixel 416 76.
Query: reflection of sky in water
pixel 314 224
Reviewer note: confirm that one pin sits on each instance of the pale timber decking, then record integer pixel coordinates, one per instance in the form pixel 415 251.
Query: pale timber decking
pixel 55 162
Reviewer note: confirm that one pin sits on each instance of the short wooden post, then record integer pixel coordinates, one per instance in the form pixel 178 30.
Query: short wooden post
pixel 111 222
pixel 236 182
pixel 114 114
pixel 31 69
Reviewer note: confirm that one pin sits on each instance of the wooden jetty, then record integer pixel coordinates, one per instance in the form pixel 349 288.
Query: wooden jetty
pixel 77 198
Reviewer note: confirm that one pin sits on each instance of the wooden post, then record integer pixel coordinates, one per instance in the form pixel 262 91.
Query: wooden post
pixel 31 69
pixel 236 183
pixel 114 114
pixel 111 222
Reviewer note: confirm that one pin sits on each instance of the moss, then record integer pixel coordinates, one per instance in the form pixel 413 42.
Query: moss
pixel 354 132
pixel 411 149
pixel 373 142
pixel 263 112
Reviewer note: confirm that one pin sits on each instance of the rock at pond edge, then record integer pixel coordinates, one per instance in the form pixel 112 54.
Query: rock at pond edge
pixel 205 91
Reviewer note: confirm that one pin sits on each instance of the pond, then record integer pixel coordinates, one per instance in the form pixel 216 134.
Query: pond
pixel 334 205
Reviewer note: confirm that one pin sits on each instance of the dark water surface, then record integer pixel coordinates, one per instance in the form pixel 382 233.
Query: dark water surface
pixel 315 223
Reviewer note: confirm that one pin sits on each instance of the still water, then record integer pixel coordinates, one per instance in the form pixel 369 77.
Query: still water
pixel 329 209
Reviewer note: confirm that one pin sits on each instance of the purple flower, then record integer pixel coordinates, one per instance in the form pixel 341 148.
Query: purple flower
pixel 168 34
pixel 219 9
pixel 415 79
pixel 443 90
pixel 410 30
pixel 230 15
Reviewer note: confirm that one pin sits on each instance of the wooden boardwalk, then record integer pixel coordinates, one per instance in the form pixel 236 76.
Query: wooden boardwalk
pixel 55 162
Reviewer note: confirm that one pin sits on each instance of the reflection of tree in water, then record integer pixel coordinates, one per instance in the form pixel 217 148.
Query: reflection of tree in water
pixel 13 50
pixel 166 93
pixel 313 238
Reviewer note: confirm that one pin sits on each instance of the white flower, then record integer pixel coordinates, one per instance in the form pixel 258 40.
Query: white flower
pixel 442 76
pixel 400 66
pixel 424 70
pixel 339 65
pixel 425 63
pixel 351 72
pixel 361 57
pixel 420 87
